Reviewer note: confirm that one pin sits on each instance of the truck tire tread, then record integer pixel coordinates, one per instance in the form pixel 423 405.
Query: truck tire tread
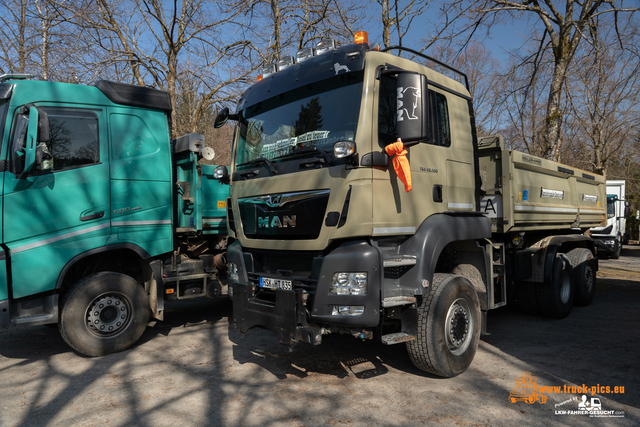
pixel 584 275
pixel 555 298
pixel 429 351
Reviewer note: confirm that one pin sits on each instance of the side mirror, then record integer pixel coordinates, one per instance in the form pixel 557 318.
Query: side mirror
pixel 43 127
pixel 413 107
pixel 221 118
pixel 627 209
pixel 221 173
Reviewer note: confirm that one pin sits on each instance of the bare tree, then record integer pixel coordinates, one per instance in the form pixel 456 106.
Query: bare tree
pixel 399 16
pixel 563 30
pixel 605 103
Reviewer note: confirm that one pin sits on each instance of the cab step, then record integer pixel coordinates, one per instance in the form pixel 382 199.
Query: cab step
pixel 393 260
pixel 396 301
pixel 397 338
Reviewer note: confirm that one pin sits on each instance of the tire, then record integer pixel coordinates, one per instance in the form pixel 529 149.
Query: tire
pixel 439 348
pixel 104 313
pixel 555 299
pixel 584 275
pixel 525 296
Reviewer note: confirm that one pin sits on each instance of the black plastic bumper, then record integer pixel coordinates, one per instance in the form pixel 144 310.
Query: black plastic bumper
pixel 288 317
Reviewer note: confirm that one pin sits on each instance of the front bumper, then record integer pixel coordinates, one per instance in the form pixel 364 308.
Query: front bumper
pixel 606 245
pixel 300 314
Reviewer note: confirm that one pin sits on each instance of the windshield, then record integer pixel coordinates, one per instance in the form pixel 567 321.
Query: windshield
pixel 316 115
pixel 611 205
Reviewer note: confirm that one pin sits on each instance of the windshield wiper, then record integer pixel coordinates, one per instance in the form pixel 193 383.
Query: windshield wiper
pixel 269 163
pixel 311 150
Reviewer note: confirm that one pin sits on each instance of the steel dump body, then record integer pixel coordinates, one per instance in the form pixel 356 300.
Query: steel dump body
pixel 525 192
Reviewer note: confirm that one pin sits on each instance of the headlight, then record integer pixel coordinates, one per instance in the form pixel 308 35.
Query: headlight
pixel 342 149
pixel 233 272
pixel 349 284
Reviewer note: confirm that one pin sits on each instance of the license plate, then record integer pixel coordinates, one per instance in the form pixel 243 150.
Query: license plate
pixel 284 284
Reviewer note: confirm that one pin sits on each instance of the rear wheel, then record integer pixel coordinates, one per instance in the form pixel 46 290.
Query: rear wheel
pixel 584 275
pixel 104 313
pixel 448 327
pixel 555 299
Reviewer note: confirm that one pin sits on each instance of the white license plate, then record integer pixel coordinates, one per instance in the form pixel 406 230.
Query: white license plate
pixel 286 285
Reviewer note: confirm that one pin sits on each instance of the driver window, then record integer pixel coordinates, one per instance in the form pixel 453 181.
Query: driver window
pixel 73 140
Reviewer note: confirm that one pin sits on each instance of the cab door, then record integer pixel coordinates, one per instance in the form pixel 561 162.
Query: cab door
pixel 60 207
pixel 395 210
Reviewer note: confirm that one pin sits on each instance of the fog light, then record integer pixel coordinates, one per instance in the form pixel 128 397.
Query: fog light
pixel 304 54
pixel 285 62
pixel 347 310
pixel 325 45
pixel 349 284
pixel 268 69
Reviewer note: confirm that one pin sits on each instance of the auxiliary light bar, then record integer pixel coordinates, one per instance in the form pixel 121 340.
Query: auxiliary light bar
pixel 323 46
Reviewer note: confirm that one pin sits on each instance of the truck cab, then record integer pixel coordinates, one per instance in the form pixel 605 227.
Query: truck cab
pixel 359 204
pixel 96 199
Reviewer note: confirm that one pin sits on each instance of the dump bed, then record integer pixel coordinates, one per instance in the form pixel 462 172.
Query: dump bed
pixel 524 192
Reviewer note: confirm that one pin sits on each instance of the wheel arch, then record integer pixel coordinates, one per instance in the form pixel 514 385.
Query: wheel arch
pixel 126 258
pixel 438 232
pixel 562 245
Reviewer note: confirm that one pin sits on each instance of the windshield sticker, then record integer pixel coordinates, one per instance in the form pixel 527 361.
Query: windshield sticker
pixel 339 68
pixel 284 147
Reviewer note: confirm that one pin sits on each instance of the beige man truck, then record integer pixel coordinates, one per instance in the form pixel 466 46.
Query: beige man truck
pixel 327 239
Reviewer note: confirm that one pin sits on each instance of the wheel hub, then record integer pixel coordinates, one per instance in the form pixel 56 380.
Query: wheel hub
pixel 107 315
pixel 458 325
pixel 589 278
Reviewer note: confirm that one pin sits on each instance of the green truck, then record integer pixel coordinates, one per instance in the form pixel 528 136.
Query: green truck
pixel 328 240
pixel 104 216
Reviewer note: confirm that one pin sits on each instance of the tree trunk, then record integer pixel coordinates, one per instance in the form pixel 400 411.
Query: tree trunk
pixel 275 9
pixel 386 24
pixel 553 126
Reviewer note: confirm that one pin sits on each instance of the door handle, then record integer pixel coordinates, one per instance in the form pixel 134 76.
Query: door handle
pixel 437 193
pixel 92 216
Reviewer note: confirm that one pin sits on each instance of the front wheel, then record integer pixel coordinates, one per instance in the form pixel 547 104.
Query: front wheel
pixel 104 313
pixel 448 327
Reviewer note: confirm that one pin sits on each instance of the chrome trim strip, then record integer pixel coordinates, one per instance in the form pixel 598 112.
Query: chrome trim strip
pixel 214 221
pixel 59 238
pixel 543 209
pixel 158 222
pixel 279 200
pixel 394 230
pixel 460 206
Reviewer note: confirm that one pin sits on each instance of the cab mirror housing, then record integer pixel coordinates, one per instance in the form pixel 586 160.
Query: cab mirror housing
pixel 221 118
pixel 413 107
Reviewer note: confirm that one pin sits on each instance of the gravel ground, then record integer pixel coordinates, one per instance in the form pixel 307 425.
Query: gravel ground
pixel 192 370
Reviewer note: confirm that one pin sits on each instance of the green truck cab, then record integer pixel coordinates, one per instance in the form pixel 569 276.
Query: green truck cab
pixel 329 241
pixel 104 217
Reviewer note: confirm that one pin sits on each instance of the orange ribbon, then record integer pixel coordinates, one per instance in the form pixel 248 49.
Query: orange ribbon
pixel 400 163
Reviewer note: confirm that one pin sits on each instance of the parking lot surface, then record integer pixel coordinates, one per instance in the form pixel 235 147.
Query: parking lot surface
pixel 193 370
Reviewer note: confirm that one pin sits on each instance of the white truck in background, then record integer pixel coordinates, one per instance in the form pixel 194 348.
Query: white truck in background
pixel 611 237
